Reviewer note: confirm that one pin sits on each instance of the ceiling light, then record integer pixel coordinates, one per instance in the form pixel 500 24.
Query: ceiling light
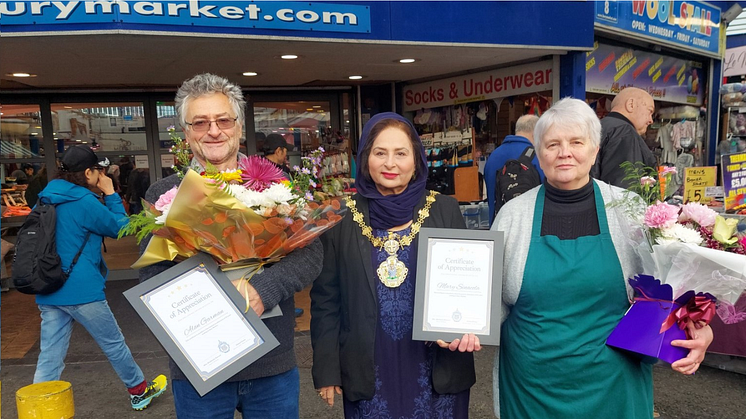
pixel 21 75
pixel 68 107
pixel 355 77
pixel 309 109
pixel 407 60
pixel 250 74
pixel 289 57
pixel 316 106
pixel 34 133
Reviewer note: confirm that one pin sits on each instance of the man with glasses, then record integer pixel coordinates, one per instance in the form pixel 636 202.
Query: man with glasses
pixel 211 114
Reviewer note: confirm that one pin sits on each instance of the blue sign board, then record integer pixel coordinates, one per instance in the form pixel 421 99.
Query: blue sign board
pixel 295 16
pixel 564 24
pixel 693 25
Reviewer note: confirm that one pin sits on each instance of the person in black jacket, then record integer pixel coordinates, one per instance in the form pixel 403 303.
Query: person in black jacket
pixel 362 304
pixel 621 136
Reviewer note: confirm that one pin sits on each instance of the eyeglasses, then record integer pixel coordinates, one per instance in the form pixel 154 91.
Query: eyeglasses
pixel 202 125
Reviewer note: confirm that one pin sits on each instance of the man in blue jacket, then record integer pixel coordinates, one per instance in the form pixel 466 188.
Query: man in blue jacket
pixel 511 148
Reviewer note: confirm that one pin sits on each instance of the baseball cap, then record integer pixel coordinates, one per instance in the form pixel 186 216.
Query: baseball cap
pixel 80 157
pixel 273 141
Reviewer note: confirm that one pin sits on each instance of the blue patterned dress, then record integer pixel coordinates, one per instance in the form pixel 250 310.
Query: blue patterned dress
pixel 403 366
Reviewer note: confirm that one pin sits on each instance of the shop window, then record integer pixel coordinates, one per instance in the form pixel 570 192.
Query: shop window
pixel 103 126
pixel 21 132
pixel 304 125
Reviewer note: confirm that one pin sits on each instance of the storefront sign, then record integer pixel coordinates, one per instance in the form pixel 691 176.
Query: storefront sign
pixel 504 82
pixel 610 69
pixel 693 25
pixel 734 63
pixel 696 182
pixel 298 16
pixel 734 181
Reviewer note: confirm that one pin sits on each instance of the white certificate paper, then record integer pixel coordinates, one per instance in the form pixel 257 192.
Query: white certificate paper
pixel 458 294
pixel 202 321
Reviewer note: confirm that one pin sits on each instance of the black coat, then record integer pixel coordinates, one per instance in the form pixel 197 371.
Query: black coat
pixel 344 311
pixel 620 142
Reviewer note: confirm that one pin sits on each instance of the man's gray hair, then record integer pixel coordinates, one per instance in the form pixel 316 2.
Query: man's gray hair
pixel 205 84
pixel 526 123
pixel 573 115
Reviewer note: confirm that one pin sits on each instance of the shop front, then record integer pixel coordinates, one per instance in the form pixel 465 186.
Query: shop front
pixel 674 51
pixel 104 73
pixel 463 119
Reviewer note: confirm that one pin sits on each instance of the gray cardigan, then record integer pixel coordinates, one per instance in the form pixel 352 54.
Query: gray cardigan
pixel 276 285
pixel 515 219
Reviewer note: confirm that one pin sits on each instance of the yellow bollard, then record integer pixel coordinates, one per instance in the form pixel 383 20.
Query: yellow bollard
pixel 47 400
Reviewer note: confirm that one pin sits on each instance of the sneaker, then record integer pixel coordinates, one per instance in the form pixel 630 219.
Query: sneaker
pixel 155 388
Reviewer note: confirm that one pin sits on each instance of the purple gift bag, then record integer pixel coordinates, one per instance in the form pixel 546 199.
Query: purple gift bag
pixel 639 329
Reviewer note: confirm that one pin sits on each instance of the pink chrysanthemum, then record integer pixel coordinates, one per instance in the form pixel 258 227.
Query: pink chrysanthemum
pixel 165 200
pixel 700 214
pixel 259 173
pixel 661 215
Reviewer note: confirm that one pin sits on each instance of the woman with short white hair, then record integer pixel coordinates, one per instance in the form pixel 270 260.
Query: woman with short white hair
pixel 567 260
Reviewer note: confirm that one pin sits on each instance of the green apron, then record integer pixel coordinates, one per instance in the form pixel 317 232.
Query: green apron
pixel 554 363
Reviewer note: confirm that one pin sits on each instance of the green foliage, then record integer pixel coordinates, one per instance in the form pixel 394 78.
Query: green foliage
pixel 181 150
pixel 645 182
pixel 139 225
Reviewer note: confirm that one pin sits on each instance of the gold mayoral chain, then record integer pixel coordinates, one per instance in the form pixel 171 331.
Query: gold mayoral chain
pixel 391 271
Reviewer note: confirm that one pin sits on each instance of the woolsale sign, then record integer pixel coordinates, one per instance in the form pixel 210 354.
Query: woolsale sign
pixel 527 78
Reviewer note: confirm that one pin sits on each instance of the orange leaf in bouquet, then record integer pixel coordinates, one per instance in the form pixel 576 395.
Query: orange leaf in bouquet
pixel 243 247
pixel 269 248
pixel 296 226
pixel 221 217
pixel 275 225
pixel 228 231
pixel 254 229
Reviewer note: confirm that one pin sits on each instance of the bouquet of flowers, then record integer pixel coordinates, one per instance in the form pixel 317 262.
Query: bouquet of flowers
pixel 244 218
pixel 695 265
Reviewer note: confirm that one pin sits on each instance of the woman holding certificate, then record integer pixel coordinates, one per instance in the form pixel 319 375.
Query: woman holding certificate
pixel 362 304
pixel 567 259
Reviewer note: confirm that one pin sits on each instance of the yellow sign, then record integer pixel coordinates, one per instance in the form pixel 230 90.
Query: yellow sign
pixel 696 179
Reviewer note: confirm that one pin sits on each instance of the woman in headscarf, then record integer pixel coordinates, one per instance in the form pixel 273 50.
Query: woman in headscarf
pixel 567 260
pixel 362 304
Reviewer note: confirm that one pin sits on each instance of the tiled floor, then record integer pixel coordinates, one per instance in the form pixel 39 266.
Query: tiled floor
pixel 20 324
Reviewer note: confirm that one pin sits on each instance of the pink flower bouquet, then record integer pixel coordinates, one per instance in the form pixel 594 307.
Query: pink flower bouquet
pixel 244 218
pixel 694 263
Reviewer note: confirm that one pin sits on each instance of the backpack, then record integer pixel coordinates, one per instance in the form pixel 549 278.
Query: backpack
pixel 516 177
pixel 37 268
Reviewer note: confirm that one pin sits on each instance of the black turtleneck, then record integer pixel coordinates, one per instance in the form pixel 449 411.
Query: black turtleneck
pixel 569 214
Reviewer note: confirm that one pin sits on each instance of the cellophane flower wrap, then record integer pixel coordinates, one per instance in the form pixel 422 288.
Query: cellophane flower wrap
pixel 690 256
pixel 244 218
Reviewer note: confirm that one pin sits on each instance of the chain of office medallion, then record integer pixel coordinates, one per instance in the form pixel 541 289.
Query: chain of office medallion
pixel 367 231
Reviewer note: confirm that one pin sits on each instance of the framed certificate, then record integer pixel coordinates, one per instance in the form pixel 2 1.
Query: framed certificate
pixel 459 285
pixel 196 314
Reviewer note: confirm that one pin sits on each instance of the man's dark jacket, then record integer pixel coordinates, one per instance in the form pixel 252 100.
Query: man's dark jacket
pixel 344 310
pixel 620 142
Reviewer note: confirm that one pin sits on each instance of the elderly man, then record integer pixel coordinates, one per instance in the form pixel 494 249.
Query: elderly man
pixel 211 113
pixel 621 136
pixel 511 148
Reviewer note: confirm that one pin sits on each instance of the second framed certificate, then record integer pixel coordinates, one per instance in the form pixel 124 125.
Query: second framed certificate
pixel 459 285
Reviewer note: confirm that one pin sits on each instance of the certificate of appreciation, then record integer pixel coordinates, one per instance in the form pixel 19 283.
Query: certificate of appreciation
pixel 459 281
pixel 193 310
pixel 209 330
